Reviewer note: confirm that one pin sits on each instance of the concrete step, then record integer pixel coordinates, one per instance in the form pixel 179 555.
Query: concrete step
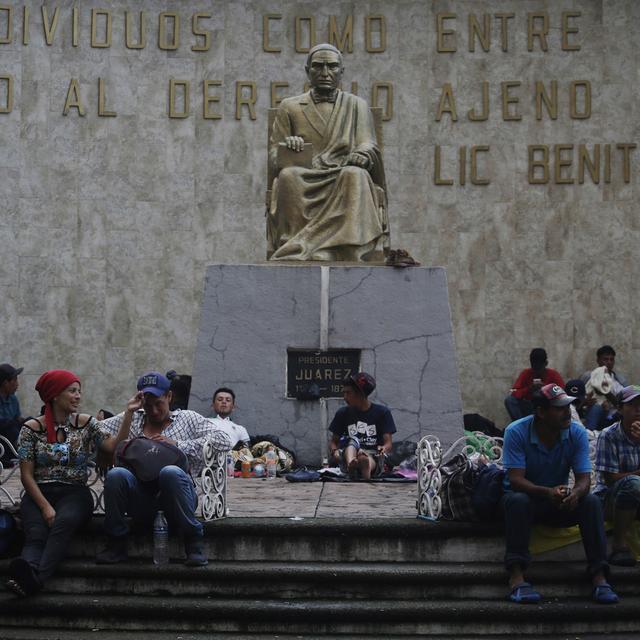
pixel 334 540
pixel 374 618
pixel 324 580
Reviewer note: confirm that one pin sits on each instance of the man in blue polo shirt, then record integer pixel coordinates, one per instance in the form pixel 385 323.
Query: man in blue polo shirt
pixel 539 451
pixel 10 418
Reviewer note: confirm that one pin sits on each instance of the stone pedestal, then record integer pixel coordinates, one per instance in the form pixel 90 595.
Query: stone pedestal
pixel 399 318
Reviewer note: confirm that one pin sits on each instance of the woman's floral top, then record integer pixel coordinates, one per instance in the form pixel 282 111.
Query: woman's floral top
pixel 66 459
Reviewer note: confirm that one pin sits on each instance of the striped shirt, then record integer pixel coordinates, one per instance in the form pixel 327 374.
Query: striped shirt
pixel 189 429
pixel 615 453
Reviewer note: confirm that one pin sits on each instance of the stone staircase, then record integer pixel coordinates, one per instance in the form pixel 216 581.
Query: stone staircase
pixel 377 578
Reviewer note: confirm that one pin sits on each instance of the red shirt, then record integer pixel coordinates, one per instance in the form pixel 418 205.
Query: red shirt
pixel 522 386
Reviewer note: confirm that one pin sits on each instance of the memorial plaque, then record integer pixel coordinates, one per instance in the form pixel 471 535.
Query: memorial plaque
pixel 313 374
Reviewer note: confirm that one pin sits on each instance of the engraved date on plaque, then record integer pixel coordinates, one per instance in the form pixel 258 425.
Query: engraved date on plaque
pixel 315 374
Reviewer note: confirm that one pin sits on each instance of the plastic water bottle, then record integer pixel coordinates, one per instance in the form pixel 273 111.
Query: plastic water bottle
pixel 160 539
pixel 230 465
pixel 272 463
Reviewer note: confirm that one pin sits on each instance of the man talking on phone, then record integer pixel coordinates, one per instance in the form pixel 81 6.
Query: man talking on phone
pixel 518 402
pixel 539 451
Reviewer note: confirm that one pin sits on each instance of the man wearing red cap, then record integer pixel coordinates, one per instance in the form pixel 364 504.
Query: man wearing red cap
pixel 539 450
pixel 362 430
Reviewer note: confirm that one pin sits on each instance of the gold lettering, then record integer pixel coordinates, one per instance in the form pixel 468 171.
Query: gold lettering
pixel 586 112
pixel 275 97
pixel 311 21
pixel 298 376
pixel 327 374
pixel 250 101
pixel 438 179
pixel 369 21
pixel 607 163
pixel 198 31
pixel 561 162
pixel 75 16
pixel 626 149
pixel 462 165
pixel 102 111
pixel 485 105
pixel 344 42
pixel 532 32
pixel 592 166
pixel 106 43
pixel 318 374
pixel 566 30
pixel 481 148
pixel 130 43
pixel 508 99
pixel 504 33
pixel 266 41
pixel 49 26
pixel 538 164
pixel 173 110
pixel 25 25
pixel 483 36
pixel 443 46
pixel 73 101
pixel 387 113
pixel 162 31
pixel 9 11
pixel 8 106
pixel 550 103
pixel 447 103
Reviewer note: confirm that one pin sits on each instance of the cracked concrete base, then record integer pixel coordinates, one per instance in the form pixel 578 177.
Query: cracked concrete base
pixel 399 318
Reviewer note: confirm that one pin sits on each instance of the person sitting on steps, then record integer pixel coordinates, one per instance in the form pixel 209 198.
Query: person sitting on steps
pixel 362 430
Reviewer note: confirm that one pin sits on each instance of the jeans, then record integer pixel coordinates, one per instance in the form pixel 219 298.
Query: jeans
pixel 521 511
pixel 624 494
pixel 517 408
pixel 46 546
pixel 125 495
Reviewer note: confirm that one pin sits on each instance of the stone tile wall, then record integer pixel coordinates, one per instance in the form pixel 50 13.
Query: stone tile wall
pixel 108 223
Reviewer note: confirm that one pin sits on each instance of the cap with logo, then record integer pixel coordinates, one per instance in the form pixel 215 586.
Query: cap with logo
pixel 154 382
pixel 576 388
pixel 7 372
pixel 630 393
pixel 363 381
pixel 556 395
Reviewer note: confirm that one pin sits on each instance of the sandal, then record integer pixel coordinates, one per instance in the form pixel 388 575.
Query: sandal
pixel 604 594
pixel 23 579
pixel 622 558
pixel 524 593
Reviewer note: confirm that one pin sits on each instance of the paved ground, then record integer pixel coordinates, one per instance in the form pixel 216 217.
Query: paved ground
pixel 277 498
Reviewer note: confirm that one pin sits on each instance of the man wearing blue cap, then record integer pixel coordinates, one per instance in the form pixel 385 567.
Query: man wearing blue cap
pixel 177 497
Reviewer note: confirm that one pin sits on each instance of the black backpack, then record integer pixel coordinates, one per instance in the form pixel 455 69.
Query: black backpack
pixel 145 458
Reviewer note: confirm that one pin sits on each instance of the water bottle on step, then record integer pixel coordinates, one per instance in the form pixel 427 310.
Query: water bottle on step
pixel 160 539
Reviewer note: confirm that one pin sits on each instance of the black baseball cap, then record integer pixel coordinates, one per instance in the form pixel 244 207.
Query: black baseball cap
pixel 363 381
pixel 7 372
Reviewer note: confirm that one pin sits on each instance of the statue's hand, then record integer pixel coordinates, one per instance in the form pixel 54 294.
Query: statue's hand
pixel 295 143
pixel 358 160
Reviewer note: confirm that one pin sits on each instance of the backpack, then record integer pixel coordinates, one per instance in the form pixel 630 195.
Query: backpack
pixel 456 490
pixel 145 458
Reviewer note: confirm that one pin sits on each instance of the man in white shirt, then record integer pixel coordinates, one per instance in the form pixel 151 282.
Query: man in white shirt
pixel 224 402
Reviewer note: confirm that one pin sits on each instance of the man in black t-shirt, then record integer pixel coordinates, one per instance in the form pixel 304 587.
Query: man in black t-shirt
pixel 361 431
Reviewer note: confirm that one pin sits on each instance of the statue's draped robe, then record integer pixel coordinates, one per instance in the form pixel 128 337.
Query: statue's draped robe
pixel 331 211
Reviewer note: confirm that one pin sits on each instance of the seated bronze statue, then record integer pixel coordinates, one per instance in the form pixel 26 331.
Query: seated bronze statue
pixel 328 197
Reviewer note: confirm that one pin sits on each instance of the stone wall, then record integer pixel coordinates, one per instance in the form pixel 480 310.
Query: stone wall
pixel 109 221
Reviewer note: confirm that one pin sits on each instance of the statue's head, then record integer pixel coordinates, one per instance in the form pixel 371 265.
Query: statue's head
pixel 324 67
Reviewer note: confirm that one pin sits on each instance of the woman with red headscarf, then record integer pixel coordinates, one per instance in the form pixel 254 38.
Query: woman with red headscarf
pixel 54 452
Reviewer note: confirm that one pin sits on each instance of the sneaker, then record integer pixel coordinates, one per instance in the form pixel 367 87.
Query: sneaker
pixel 23 578
pixel 115 551
pixel 196 556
